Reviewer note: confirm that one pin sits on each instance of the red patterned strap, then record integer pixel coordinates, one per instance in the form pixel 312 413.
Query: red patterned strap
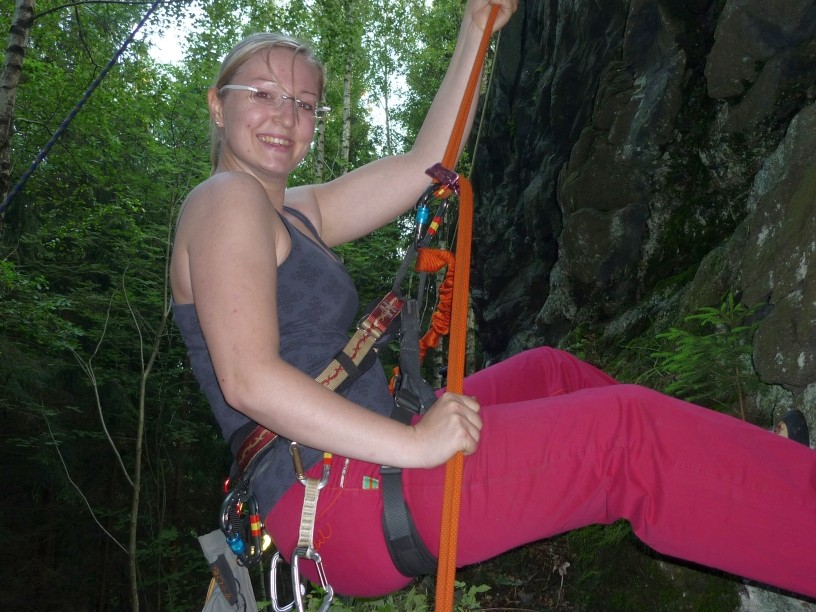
pixel 344 367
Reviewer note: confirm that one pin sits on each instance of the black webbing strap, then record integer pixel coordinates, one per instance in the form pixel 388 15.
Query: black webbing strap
pixel 412 396
pixel 407 550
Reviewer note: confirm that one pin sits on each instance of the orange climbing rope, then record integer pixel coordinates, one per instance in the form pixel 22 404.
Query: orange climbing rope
pixel 446 569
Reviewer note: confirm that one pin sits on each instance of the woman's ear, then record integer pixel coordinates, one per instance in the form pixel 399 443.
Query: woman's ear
pixel 214 102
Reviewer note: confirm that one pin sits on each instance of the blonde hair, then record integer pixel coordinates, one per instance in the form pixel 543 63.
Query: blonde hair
pixel 241 53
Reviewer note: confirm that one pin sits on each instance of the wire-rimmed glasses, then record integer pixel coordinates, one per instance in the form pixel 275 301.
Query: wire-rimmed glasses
pixel 275 99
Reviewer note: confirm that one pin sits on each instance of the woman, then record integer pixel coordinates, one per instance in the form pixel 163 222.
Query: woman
pixel 551 443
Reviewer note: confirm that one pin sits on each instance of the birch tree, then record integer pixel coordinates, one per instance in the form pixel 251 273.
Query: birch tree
pixel 12 69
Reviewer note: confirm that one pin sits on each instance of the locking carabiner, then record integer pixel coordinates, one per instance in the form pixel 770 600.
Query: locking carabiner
pixel 445 183
pixel 240 521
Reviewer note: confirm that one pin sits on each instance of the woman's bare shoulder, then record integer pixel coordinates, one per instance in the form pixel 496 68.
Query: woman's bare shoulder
pixel 223 194
pixel 231 185
pixel 302 199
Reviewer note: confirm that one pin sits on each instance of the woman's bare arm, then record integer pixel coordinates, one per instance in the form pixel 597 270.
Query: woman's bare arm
pixel 355 204
pixel 233 239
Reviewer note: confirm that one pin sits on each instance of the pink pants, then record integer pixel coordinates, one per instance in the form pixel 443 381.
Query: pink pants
pixel 564 446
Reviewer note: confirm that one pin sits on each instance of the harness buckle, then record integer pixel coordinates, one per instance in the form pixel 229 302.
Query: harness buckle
pixel 307 552
pixel 377 322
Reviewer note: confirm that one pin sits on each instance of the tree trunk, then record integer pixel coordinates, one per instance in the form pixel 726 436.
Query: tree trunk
pixel 389 146
pixel 18 42
pixel 320 152
pixel 346 138
pixel 140 429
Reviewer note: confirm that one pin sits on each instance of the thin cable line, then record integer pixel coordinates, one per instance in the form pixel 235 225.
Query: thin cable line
pixel 74 112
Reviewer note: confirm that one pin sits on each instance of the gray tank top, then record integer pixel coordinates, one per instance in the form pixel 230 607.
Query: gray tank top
pixel 317 305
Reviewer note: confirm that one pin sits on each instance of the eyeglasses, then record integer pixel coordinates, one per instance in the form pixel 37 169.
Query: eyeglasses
pixel 274 99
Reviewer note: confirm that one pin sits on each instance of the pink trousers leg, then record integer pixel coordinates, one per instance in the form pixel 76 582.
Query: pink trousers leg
pixel 562 447
pixel 534 374
pixel 694 484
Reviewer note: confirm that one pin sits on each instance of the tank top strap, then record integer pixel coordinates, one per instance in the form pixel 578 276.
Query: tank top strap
pixel 303 218
pixel 309 226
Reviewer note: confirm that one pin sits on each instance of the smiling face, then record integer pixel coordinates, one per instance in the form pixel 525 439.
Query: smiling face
pixel 261 139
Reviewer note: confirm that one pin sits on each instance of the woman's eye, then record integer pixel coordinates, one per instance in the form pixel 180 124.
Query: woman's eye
pixel 305 106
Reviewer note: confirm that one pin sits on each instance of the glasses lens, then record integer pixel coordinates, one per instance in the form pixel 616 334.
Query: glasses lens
pixel 266 97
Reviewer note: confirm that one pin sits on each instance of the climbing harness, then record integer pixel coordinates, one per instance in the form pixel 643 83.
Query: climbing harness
pixel 412 396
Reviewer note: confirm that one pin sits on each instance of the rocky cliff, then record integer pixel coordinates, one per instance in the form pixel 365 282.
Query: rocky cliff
pixel 640 159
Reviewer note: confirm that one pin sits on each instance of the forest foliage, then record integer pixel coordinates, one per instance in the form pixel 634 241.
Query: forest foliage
pixel 110 457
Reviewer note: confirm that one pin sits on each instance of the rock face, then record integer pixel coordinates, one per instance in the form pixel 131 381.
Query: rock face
pixel 641 159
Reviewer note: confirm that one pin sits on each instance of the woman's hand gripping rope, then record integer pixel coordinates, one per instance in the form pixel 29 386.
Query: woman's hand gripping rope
pixel 451 425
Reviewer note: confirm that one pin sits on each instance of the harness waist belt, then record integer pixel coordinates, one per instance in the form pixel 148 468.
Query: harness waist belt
pixel 259 439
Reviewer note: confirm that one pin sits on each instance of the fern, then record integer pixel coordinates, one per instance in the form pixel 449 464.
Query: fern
pixel 709 361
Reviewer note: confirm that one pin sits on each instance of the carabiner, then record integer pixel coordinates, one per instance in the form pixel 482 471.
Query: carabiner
pixel 445 183
pixel 423 213
pixel 229 521
pixel 312 555
pixel 277 559
pixel 240 521
pixel 300 473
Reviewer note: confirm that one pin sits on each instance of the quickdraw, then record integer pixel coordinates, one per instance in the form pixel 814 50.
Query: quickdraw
pixel 305 546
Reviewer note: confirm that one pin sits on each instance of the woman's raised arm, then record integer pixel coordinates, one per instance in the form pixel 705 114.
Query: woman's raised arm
pixel 355 204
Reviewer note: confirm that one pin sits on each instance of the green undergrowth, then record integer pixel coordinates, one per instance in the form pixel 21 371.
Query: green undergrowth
pixel 419 597
pixel 614 571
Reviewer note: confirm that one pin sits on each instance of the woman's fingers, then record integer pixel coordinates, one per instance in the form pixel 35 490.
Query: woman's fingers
pixel 480 11
pixel 465 411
